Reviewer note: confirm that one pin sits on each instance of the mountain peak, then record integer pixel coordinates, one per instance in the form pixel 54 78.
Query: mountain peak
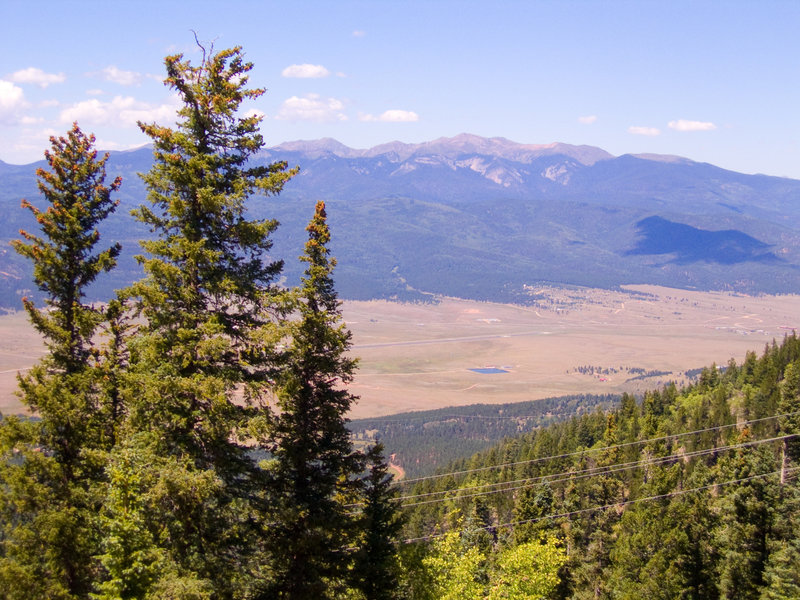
pixel 452 147
pixel 499 147
pixel 318 147
pixel 665 158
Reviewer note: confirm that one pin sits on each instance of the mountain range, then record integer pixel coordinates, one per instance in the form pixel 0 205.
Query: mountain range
pixel 488 218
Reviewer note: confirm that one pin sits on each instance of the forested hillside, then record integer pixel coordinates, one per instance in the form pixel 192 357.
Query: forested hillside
pixel 484 219
pixel 689 493
pixel 424 441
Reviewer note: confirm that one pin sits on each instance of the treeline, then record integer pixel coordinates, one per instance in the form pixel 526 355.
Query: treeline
pixel 190 440
pixel 688 493
pixel 637 373
pixel 422 442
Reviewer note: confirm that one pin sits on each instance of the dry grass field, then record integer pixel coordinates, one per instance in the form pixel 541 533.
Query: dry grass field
pixel 417 357
pixel 20 348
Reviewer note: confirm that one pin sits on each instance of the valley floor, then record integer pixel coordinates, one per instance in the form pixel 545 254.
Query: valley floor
pixel 568 341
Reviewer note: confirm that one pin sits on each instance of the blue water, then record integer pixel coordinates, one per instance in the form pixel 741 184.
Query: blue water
pixel 489 371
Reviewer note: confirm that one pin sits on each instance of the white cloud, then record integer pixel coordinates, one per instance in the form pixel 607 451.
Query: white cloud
pixel 254 112
pixel 684 125
pixel 42 134
pixel 105 145
pixel 90 111
pixel 49 103
pixel 305 71
pixel 115 75
pixel 11 98
pixel 392 116
pixel 122 110
pixel 31 120
pixel 311 107
pixel 37 77
pixel 359 33
pixel 95 92
pixel 651 131
pixel 35 140
pixel 587 120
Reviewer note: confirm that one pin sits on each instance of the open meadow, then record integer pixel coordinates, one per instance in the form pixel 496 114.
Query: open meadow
pixel 568 341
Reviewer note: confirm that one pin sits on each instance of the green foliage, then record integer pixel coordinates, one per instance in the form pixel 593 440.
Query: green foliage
pixel 132 558
pixel 782 573
pixel 643 509
pixel 375 569
pixel 202 358
pixel 208 290
pixel 65 261
pixel 458 570
pixel 455 570
pixel 139 477
pixel 746 523
pixel 424 441
pixel 139 480
pixel 149 557
pixel 790 405
pixel 52 474
pixel 313 463
pixel 529 570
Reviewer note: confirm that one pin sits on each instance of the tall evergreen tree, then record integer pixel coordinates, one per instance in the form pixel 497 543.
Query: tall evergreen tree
pixel 65 260
pixel 313 467
pixel 375 569
pixel 782 573
pixel 202 357
pixel 52 474
pixel 747 521
pixel 591 574
pixel 208 289
pixel 790 405
pixel 782 570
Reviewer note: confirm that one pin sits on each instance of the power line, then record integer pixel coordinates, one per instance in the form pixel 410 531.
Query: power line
pixel 614 467
pixel 591 450
pixel 607 506
pixel 567 475
pixel 571 475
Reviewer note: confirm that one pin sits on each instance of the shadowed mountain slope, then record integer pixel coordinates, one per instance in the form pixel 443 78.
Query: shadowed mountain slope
pixel 485 217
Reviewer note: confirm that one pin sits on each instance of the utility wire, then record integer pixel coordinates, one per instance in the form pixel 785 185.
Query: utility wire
pixel 644 462
pixel 592 450
pixel 562 476
pixel 568 476
pixel 604 507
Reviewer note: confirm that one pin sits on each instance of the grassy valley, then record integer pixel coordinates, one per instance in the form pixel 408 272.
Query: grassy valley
pixel 567 341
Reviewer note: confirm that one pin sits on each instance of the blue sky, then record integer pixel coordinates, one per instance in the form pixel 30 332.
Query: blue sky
pixel 716 82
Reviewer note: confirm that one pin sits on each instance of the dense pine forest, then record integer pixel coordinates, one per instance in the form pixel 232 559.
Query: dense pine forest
pixel 191 438
pixel 421 442
pixel 687 493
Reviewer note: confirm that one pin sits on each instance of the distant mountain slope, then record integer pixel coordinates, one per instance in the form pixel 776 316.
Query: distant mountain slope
pixel 455 147
pixel 485 217
pixel 689 244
